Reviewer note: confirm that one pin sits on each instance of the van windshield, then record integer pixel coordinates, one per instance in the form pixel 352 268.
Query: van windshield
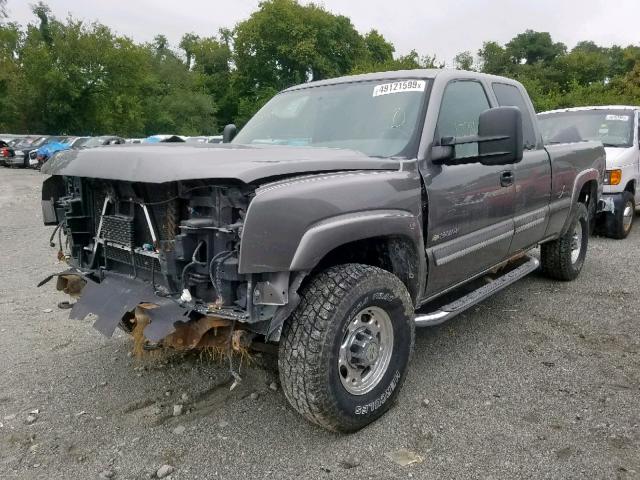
pixel 614 128
pixel 378 118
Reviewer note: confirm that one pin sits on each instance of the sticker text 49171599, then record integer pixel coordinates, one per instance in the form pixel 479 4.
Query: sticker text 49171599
pixel 399 87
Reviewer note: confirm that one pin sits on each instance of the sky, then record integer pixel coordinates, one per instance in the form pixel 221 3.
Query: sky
pixel 442 28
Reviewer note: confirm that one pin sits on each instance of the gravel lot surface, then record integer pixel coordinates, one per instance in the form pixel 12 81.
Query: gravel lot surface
pixel 540 381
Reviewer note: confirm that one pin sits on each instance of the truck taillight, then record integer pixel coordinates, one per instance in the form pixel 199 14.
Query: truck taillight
pixel 613 177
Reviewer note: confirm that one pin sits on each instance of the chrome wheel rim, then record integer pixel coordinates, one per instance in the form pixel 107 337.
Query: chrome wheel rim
pixel 576 242
pixel 365 351
pixel 627 216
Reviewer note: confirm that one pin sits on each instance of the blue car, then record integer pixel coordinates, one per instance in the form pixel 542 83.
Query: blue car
pixel 46 151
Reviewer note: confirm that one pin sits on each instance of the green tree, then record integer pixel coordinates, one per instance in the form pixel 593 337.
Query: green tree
pixel 464 61
pixel 584 65
pixel 43 12
pixel 212 61
pixel 188 43
pixel 10 74
pixel 284 43
pixel 532 47
pixel 494 59
pixel 378 48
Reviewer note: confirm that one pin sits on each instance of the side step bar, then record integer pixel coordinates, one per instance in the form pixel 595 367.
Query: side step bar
pixel 452 309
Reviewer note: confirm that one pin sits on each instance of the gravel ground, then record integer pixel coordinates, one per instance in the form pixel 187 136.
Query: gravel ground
pixel 540 381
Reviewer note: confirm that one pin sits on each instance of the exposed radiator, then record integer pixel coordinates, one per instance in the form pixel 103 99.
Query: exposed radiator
pixel 117 228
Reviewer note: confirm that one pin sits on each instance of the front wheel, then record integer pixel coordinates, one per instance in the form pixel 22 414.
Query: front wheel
pixel 344 352
pixel 563 258
pixel 618 224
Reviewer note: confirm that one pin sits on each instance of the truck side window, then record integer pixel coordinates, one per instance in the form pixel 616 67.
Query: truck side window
pixel 462 104
pixel 510 96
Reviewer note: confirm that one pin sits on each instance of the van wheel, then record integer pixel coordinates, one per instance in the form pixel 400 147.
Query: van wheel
pixel 563 258
pixel 344 351
pixel 618 224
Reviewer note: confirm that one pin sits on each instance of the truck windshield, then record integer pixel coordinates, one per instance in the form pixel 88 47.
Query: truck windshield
pixel 378 118
pixel 614 128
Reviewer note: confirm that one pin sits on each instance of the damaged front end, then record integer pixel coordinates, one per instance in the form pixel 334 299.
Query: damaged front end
pixel 161 262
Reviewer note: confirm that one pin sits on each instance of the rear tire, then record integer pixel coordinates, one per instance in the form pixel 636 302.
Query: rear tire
pixel 344 351
pixel 619 223
pixel 563 258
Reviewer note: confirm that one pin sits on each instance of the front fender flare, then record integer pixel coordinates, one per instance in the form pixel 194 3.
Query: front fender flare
pixel 328 234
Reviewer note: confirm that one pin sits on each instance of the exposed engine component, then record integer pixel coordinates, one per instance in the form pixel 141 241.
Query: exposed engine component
pixel 182 240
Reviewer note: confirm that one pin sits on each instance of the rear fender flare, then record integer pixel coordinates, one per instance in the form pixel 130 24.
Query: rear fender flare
pixel 581 179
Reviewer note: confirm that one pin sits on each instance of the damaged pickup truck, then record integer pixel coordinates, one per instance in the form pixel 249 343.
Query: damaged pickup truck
pixel 343 215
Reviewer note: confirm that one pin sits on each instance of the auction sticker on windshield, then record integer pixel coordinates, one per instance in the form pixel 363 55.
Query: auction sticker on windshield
pixel 618 118
pixel 399 87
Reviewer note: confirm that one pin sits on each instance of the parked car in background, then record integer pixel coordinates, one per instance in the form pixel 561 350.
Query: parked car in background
pixel 164 139
pixel 102 141
pixel 46 151
pixel 24 149
pixel 205 139
pixel 618 128
pixel 6 151
pixel 193 140
pixel 33 154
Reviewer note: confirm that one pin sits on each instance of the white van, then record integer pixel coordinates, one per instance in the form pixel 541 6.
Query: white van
pixel 618 128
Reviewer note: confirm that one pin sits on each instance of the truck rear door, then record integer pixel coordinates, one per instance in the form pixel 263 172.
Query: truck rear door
pixel 532 175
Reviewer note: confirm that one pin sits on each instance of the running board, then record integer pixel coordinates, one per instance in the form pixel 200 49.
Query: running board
pixel 452 309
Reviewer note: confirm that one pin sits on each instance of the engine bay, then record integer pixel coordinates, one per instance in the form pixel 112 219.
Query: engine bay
pixel 173 247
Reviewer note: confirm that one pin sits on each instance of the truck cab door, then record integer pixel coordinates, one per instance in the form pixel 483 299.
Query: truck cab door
pixel 532 173
pixel 470 206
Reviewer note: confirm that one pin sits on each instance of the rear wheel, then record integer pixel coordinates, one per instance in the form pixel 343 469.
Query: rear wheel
pixel 344 352
pixel 563 258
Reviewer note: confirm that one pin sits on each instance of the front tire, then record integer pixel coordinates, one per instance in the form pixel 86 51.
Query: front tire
pixel 344 352
pixel 563 258
pixel 618 224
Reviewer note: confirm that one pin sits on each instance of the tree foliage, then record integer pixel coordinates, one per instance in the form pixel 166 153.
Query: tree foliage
pixel 69 76
pixel 464 61
pixel 557 77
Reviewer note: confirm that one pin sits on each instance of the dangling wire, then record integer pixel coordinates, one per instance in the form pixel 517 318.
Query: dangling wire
pixel 194 262
pixel 53 234
pixel 213 270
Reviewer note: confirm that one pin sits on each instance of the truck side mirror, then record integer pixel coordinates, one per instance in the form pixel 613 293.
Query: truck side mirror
pixel 499 139
pixel 501 131
pixel 229 132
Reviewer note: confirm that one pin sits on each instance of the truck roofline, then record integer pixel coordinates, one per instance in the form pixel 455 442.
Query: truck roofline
pixel 424 73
